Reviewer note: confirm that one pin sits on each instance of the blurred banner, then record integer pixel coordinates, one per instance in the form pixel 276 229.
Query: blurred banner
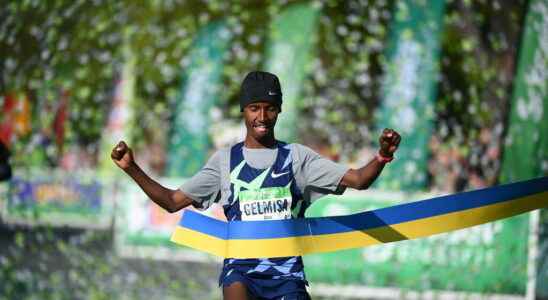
pixel 289 55
pixel 140 222
pixel 56 198
pixel 485 253
pixel 143 229
pixel 409 89
pixel 526 145
pixel 60 120
pixel 189 140
pixel 15 118
pixel 117 127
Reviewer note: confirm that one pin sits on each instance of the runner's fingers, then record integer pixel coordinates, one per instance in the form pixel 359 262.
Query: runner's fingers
pixel 388 132
pixel 119 151
pixel 392 136
pixel 121 146
pixel 385 136
pixel 115 154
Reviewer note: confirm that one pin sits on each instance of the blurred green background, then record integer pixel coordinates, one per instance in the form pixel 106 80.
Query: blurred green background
pixel 464 82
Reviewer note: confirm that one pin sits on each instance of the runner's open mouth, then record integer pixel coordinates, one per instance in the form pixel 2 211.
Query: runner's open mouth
pixel 261 127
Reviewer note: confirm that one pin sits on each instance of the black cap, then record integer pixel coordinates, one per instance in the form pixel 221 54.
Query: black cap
pixel 260 86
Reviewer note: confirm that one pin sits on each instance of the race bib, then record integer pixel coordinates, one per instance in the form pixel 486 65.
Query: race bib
pixel 272 203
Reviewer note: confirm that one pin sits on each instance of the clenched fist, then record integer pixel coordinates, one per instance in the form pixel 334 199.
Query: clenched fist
pixel 122 155
pixel 389 141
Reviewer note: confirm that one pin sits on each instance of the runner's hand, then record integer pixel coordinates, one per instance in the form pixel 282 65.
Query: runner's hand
pixel 122 155
pixel 389 141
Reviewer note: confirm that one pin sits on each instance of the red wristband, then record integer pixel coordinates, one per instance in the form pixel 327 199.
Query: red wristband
pixel 383 159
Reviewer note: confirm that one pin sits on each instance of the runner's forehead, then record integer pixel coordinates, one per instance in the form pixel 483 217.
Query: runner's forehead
pixel 262 104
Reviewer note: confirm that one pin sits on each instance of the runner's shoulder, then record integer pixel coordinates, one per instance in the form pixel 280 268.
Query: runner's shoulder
pixel 301 152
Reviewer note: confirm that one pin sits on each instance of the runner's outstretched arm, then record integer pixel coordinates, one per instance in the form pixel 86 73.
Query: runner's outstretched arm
pixel 362 178
pixel 168 199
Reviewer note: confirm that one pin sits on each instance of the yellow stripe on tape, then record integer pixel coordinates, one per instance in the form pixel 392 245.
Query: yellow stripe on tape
pixel 200 241
pixel 295 246
pixel 429 226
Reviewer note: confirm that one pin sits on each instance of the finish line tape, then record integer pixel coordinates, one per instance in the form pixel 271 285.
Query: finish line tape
pixel 294 237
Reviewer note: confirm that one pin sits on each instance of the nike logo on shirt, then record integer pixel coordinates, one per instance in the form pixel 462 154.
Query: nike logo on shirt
pixel 274 175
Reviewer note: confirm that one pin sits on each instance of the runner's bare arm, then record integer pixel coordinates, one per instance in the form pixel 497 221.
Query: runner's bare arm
pixel 362 178
pixel 168 199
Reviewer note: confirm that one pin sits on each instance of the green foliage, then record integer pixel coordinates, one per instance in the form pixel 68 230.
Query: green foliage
pixel 479 57
pixel 46 46
pixel 77 46
pixel 46 263
pixel 344 84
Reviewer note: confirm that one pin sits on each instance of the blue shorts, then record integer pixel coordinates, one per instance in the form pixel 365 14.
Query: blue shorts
pixel 262 287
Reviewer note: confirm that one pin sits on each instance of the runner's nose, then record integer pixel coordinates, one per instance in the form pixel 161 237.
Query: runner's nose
pixel 262 114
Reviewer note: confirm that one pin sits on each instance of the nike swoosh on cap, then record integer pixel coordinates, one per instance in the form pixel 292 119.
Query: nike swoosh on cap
pixel 271 93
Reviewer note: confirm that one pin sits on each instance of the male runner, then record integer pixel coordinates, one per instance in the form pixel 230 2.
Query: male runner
pixel 261 178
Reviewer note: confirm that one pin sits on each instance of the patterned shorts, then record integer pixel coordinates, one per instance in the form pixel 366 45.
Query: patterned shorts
pixel 263 288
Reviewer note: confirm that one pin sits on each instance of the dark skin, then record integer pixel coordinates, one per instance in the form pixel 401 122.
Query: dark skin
pixel 260 119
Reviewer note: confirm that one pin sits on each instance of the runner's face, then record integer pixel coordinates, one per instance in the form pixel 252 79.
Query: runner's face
pixel 260 118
